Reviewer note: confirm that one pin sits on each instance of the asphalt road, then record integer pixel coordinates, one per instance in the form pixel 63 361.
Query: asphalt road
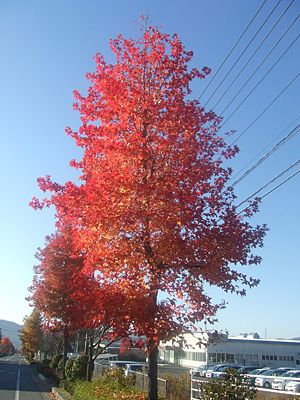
pixel 18 381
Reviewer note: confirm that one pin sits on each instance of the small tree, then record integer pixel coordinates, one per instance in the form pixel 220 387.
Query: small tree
pixel 31 335
pixel 69 299
pixel 6 347
pixel 232 386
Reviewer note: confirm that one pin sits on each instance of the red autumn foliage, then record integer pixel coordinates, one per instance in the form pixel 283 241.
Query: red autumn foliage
pixel 6 347
pixel 67 297
pixel 152 211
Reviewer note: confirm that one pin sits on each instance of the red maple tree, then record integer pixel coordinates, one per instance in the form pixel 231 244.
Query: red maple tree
pixel 69 299
pixel 6 347
pixel 152 211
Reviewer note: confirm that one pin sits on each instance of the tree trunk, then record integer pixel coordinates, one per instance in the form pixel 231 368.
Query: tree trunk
pixel 90 364
pixel 152 374
pixel 65 352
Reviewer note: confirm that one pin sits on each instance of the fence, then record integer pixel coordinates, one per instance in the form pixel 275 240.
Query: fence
pixel 166 387
pixel 262 394
pixel 142 382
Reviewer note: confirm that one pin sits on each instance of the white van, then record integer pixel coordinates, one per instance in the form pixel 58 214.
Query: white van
pixel 106 358
pixel 120 364
pixel 132 368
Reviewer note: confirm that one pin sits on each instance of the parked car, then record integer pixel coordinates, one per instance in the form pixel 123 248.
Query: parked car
pixel 120 364
pixel 214 368
pixel 253 374
pixel 199 371
pixel 246 369
pixel 293 386
pixel 284 379
pixel 224 371
pixel 130 368
pixel 266 378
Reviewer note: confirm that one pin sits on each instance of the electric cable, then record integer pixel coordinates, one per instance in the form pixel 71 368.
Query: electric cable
pixel 243 52
pixel 262 159
pixel 294 41
pixel 236 43
pixel 274 188
pixel 253 54
pixel 292 123
pixel 267 184
pixel 272 102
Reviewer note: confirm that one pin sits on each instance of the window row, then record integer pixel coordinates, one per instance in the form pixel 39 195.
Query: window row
pixel 233 358
pixel 192 355
pixel 275 358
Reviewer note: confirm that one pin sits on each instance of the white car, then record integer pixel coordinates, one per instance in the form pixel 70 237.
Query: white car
pixel 288 376
pixel 223 371
pixel 214 368
pixel 200 371
pixel 120 364
pixel 131 368
pixel 266 378
pixel 293 386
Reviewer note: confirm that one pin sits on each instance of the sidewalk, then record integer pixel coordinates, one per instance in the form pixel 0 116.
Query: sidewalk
pixel 50 386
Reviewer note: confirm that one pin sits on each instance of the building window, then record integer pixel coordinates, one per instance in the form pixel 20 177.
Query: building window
pixel 238 358
pixel 271 358
pixel 263 357
pixel 212 357
pixel 230 358
pixel 275 358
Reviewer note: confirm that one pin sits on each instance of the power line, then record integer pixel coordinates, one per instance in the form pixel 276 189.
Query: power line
pixel 281 183
pixel 272 190
pixel 271 181
pixel 273 101
pixel 231 50
pixel 243 52
pixel 294 41
pixel 253 54
pixel 262 159
pixel 268 146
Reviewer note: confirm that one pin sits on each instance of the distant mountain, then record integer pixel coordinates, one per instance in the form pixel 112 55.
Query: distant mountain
pixel 11 330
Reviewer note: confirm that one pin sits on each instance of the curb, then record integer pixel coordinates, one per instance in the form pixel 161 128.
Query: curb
pixel 59 395
pixel 57 392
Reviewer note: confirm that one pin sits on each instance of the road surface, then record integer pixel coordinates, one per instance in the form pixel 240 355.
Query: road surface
pixel 19 382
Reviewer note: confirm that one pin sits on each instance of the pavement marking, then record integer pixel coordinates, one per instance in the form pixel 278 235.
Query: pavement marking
pixel 17 396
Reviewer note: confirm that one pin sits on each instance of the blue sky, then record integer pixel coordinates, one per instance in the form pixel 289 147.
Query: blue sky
pixel 46 49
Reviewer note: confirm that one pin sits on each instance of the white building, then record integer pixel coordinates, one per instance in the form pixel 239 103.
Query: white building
pixel 245 349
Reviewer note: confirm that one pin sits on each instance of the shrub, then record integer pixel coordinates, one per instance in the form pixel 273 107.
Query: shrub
pixel 45 370
pixel 48 372
pixel 79 368
pixel 233 386
pixel 60 365
pixel 112 385
pixel 55 360
pixel 68 369
pixel 40 367
pixel 68 386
